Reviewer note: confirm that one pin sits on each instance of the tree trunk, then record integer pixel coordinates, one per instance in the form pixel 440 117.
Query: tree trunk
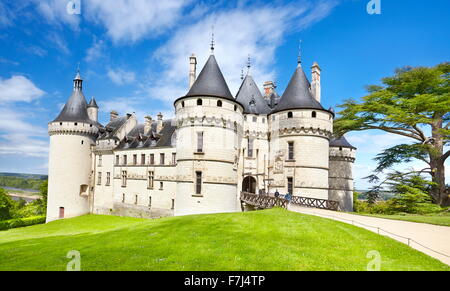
pixel 438 192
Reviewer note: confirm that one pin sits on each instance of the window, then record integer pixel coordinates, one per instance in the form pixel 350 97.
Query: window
pixel 76 123
pixel 273 118
pixel 143 159
pixel 235 126
pixel 219 103
pixel 108 178
pixel 182 104
pixel 82 142
pixel 290 115
pixel 174 158
pixel 314 114
pixel 161 159
pixel 250 148
pixel 149 201
pixel 124 159
pixel 263 120
pixel 123 198
pixel 200 142
pixel 199 102
pixel 152 159
pixel 198 183
pixel 173 204
pixel 151 176
pixel 99 160
pixel 290 185
pixel 235 107
pixel 134 159
pixel 124 178
pixel 99 178
pixel 135 199
pixel 117 160
pixel 291 150
pixel 340 148
pixel 161 185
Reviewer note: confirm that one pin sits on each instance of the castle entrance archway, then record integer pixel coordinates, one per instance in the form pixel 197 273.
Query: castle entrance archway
pixel 249 184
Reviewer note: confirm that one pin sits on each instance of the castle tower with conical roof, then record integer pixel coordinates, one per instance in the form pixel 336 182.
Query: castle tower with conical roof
pixel 300 132
pixel 209 121
pixel 72 135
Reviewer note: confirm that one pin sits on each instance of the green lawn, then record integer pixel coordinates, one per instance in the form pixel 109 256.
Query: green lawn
pixel 260 240
pixel 438 219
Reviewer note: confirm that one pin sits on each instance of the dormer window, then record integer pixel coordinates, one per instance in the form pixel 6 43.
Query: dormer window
pixel 219 103
pixel 290 115
pixel 314 114
pixel 199 102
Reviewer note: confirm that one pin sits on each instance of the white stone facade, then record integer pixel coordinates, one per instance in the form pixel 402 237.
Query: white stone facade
pixel 198 162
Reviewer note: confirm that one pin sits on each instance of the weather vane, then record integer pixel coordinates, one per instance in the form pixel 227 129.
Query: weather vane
pixel 212 39
pixel 299 57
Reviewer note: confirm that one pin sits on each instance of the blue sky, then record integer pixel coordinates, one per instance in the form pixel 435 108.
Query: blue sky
pixel 134 54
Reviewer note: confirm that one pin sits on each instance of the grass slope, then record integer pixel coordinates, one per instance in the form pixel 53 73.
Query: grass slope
pixel 437 219
pixel 260 240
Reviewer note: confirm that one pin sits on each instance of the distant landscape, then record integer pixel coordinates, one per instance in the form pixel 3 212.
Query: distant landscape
pixel 21 181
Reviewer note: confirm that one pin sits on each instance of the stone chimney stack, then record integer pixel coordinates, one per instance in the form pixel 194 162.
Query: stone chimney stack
pixel 269 87
pixel 315 84
pixel 147 124
pixel 113 115
pixel 192 70
pixel 159 124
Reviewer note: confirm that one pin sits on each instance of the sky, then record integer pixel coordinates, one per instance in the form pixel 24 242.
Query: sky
pixel 134 57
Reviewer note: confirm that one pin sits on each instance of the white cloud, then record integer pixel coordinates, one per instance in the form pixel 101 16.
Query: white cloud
pixel 257 30
pixel 18 88
pixel 55 12
pixel 131 20
pixel 121 77
pixel 96 51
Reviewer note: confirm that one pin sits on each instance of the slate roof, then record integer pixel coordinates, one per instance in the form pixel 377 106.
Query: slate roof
pixel 92 103
pixel 210 82
pixel 297 94
pixel 341 142
pixel 251 98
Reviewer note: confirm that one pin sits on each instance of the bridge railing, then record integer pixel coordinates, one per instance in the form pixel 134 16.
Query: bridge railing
pixel 267 201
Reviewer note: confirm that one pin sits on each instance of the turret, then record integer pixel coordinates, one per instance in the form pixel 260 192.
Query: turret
pixel 300 133
pixel 208 121
pixel 72 134
pixel 92 110
pixel 342 157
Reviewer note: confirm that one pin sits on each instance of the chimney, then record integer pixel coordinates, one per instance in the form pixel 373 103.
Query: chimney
pixel 159 124
pixel 269 87
pixel 315 85
pixel 113 115
pixel 192 70
pixel 147 124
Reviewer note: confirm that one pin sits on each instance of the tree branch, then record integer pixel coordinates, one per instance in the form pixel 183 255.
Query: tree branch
pixel 445 156
pixel 396 130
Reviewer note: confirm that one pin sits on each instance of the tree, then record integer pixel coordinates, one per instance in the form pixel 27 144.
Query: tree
pixel 412 103
pixel 6 205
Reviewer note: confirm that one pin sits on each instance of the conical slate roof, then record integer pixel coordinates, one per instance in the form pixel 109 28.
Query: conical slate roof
pixel 210 82
pixel 297 94
pixel 76 107
pixel 93 103
pixel 251 98
pixel 340 142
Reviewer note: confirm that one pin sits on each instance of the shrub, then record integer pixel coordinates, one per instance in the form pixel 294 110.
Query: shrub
pixel 21 222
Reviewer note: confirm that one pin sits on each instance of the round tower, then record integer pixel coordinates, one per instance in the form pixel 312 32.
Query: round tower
pixel 72 134
pixel 208 121
pixel 92 110
pixel 342 157
pixel 300 133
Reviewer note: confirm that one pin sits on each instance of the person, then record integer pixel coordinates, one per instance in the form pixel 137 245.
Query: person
pixel 277 193
pixel 288 197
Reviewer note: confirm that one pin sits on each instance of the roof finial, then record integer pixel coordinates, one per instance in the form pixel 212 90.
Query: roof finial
pixel 249 64
pixel 299 57
pixel 242 74
pixel 212 39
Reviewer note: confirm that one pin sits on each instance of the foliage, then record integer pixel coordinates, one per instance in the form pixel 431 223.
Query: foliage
pixel 20 183
pixel 21 222
pixel 6 205
pixel 411 103
pixel 273 239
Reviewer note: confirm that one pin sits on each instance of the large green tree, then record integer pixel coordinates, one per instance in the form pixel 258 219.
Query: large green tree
pixel 415 103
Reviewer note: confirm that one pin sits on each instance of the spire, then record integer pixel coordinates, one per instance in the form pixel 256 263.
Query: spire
pixel 299 57
pixel 251 98
pixel 77 81
pixel 92 103
pixel 212 40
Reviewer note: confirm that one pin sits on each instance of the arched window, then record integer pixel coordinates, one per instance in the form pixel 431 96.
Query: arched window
pixel 314 114
pixel 235 107
pixel 199 102
pixel 219 103
pixel 290 115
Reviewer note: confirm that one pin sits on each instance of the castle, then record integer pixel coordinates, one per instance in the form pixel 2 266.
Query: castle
pixel 216 146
